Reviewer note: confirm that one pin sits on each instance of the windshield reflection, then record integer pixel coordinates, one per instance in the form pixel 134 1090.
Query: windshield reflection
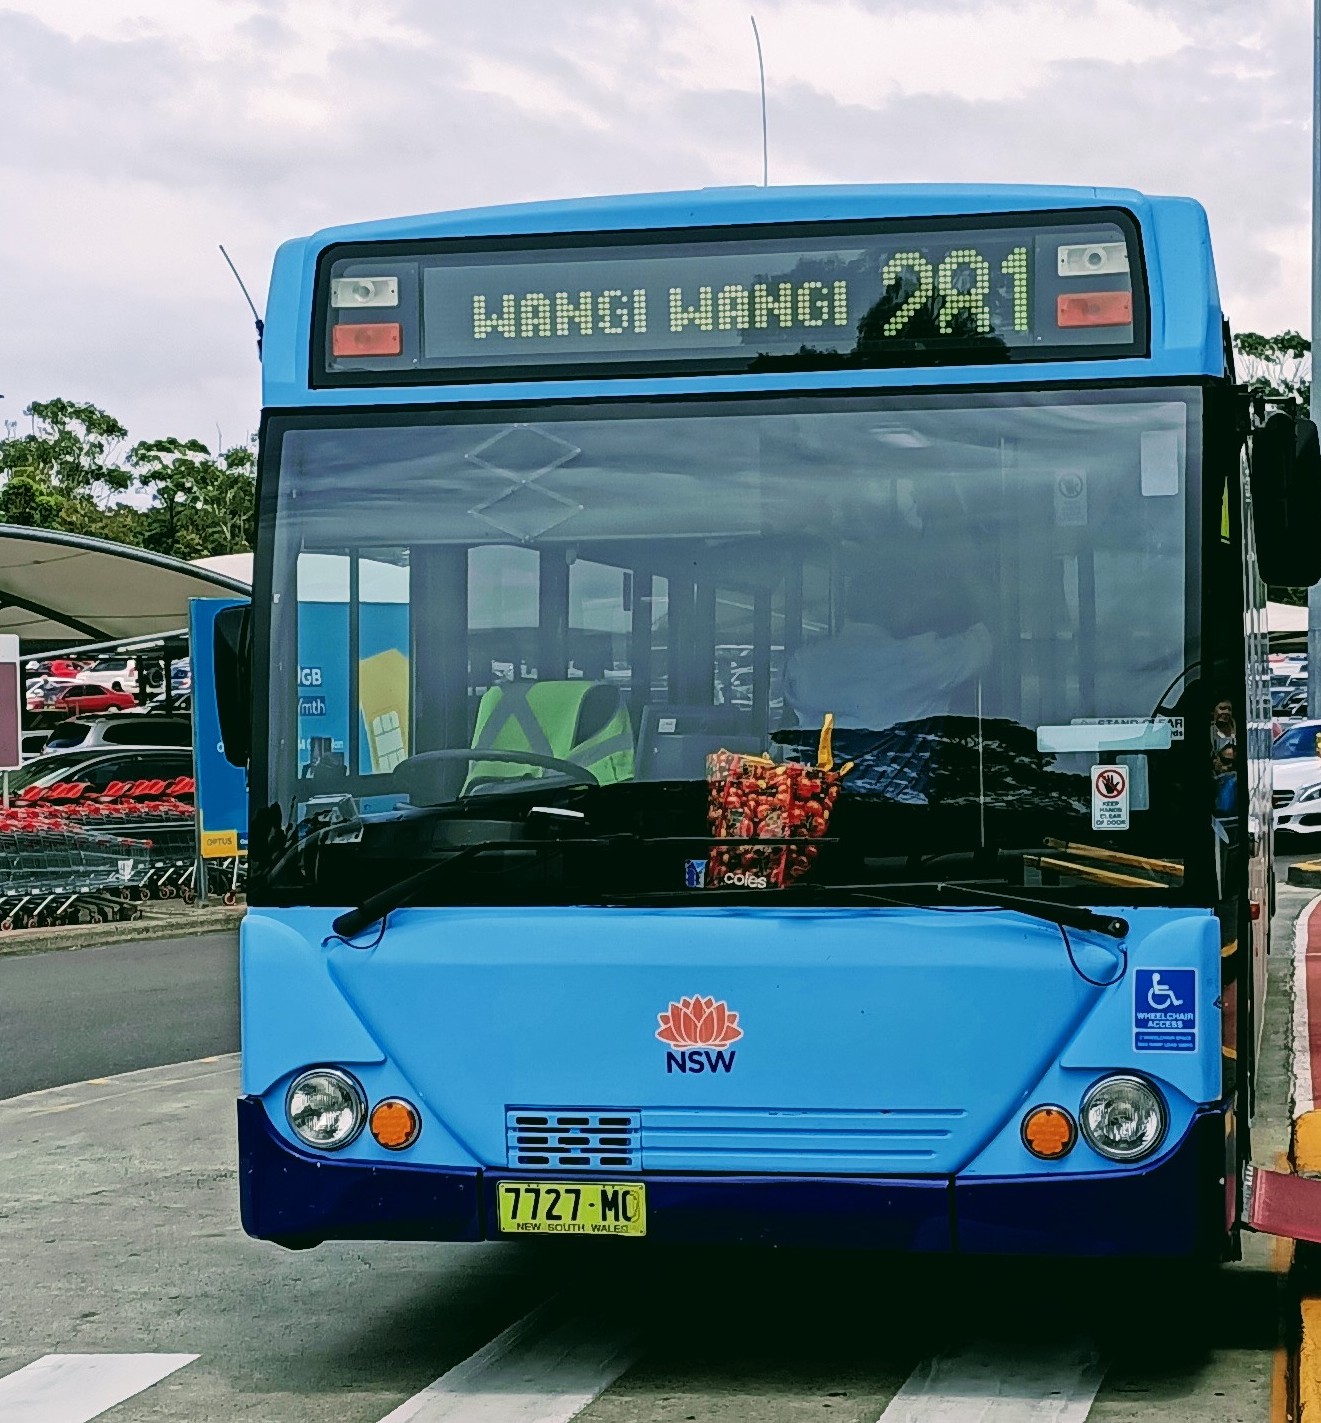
pixel 479 609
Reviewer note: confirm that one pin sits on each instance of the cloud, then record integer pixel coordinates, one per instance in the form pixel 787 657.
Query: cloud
pixel 143 132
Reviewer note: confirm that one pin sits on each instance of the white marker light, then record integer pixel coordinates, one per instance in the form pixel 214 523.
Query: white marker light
pixel 1092 259
pixel 364 291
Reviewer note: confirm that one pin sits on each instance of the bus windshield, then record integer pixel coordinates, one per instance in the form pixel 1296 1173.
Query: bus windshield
pixel 476 610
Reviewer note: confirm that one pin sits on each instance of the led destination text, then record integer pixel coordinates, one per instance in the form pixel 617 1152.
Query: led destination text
pixel 615 312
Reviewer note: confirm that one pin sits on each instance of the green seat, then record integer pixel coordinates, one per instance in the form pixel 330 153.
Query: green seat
pixel 583 722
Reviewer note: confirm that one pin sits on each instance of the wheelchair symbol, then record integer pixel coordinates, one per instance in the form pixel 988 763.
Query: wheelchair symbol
pixel 1161 995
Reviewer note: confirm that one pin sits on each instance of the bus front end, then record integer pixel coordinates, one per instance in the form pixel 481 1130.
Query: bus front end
pixel 753 738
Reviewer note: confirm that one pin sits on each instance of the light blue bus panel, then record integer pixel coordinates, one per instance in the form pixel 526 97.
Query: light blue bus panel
pixel 755 739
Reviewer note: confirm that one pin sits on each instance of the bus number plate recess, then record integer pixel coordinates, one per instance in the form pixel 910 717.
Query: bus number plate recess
pixel 572 1207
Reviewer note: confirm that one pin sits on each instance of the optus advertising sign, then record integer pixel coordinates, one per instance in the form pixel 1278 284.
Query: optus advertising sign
pixel 222 789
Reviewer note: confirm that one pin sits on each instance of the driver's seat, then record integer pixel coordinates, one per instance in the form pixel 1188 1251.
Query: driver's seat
pixel 579 721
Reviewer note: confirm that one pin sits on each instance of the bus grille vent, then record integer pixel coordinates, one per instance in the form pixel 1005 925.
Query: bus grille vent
pixel 573 1138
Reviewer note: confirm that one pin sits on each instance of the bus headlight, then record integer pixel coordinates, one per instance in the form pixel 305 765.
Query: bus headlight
pixel 1123 1118
pixel 326 1108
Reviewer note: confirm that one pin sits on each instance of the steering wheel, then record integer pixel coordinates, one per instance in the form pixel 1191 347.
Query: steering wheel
pixel 569 772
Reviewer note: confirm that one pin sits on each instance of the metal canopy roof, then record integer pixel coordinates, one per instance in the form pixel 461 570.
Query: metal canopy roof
pixel 57 587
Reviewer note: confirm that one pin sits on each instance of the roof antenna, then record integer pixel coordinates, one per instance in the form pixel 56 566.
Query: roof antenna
pixel 257 321
pixel 761 68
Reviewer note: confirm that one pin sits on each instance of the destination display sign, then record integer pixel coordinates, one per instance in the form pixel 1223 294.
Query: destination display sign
pixel 829 297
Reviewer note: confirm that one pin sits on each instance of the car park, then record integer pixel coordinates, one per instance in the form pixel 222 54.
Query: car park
pixel 147 728
pixel 1296 770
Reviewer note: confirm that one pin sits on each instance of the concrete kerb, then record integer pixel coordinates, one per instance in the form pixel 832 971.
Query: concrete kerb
pixel 175 923
pixel 1305 1152
pixel 1306 874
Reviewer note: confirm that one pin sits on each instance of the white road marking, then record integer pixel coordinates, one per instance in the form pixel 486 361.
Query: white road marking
pixel 73 1388
pixel 1301 1047
pixel 32 1104
pixel 535 1372
pixel 1000 1385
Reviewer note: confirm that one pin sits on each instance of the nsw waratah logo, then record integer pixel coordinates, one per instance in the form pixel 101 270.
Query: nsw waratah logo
pixel 698 1028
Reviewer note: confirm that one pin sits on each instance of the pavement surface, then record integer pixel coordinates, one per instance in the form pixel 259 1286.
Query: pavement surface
pixel 91 1012
pixel 129 1286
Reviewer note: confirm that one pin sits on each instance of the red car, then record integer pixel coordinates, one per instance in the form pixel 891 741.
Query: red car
pixel 82 698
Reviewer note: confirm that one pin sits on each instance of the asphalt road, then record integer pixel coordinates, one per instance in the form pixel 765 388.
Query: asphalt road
pixel 121 1249
pixel 72 1014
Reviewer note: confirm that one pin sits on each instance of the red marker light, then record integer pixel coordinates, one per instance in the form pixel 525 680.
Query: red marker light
pixel 372 338
pixel 1094 309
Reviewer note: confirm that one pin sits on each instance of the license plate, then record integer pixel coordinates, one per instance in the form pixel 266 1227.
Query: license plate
pixel 572 1208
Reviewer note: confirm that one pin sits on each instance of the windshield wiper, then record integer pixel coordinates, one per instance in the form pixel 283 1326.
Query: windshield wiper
pixel 353 921
pixel 1068 915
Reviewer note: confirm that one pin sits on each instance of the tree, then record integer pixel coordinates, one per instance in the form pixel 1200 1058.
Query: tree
pixel 69 474
pixel 202 503
pixel 1276 365
pixel 64 474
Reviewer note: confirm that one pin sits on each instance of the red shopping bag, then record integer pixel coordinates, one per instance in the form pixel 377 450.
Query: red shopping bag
pixel 753 798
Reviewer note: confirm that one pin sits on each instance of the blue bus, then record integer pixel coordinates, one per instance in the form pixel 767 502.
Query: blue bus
pixel 757 718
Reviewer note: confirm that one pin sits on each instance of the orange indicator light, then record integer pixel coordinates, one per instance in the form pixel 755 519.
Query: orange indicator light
pixel 368 338
pixel 395 1123
pixel 1049 1132
pixel 1094 309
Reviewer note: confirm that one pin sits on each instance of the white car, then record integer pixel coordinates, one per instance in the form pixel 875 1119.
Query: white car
pixel 1296 772
pixel 120 674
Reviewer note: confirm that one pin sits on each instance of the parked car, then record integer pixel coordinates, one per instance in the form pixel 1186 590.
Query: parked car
pixel 120 674
pixel 32 743
pixel 1296 770
pixel 180 701
pixel 83 697
pixel 63 667
pixel 143 729
pixel 1287 687
pixel 41 692
pixel 99 769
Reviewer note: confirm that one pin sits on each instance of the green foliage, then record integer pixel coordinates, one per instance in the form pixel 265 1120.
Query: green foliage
pixel 1276 365
pixel 172 496
pixel 202 503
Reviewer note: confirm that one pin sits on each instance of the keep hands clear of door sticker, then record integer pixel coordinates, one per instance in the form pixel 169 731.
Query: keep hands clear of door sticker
pixel 1109 797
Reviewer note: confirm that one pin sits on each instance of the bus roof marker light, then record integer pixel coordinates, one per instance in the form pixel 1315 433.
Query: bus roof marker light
pixel 368 338
pixel 1049 1132
pixel 364 291
pixel 1091 259
pixel 1094 309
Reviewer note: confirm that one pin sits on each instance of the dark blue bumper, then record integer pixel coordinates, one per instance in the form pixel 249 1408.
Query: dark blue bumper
pixel 1173 1207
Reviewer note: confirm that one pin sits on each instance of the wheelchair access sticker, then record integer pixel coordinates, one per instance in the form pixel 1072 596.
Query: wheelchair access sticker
pixel 1165 1010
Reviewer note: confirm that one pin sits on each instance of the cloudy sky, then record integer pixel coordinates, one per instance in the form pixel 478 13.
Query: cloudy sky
pixel 140 133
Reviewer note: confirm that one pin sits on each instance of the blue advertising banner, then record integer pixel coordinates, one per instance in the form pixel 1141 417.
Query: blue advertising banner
pixel 324 720
pixel 222 789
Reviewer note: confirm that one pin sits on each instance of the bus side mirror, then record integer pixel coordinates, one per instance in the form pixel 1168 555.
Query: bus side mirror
pixel 233 664
pixel 1285 461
